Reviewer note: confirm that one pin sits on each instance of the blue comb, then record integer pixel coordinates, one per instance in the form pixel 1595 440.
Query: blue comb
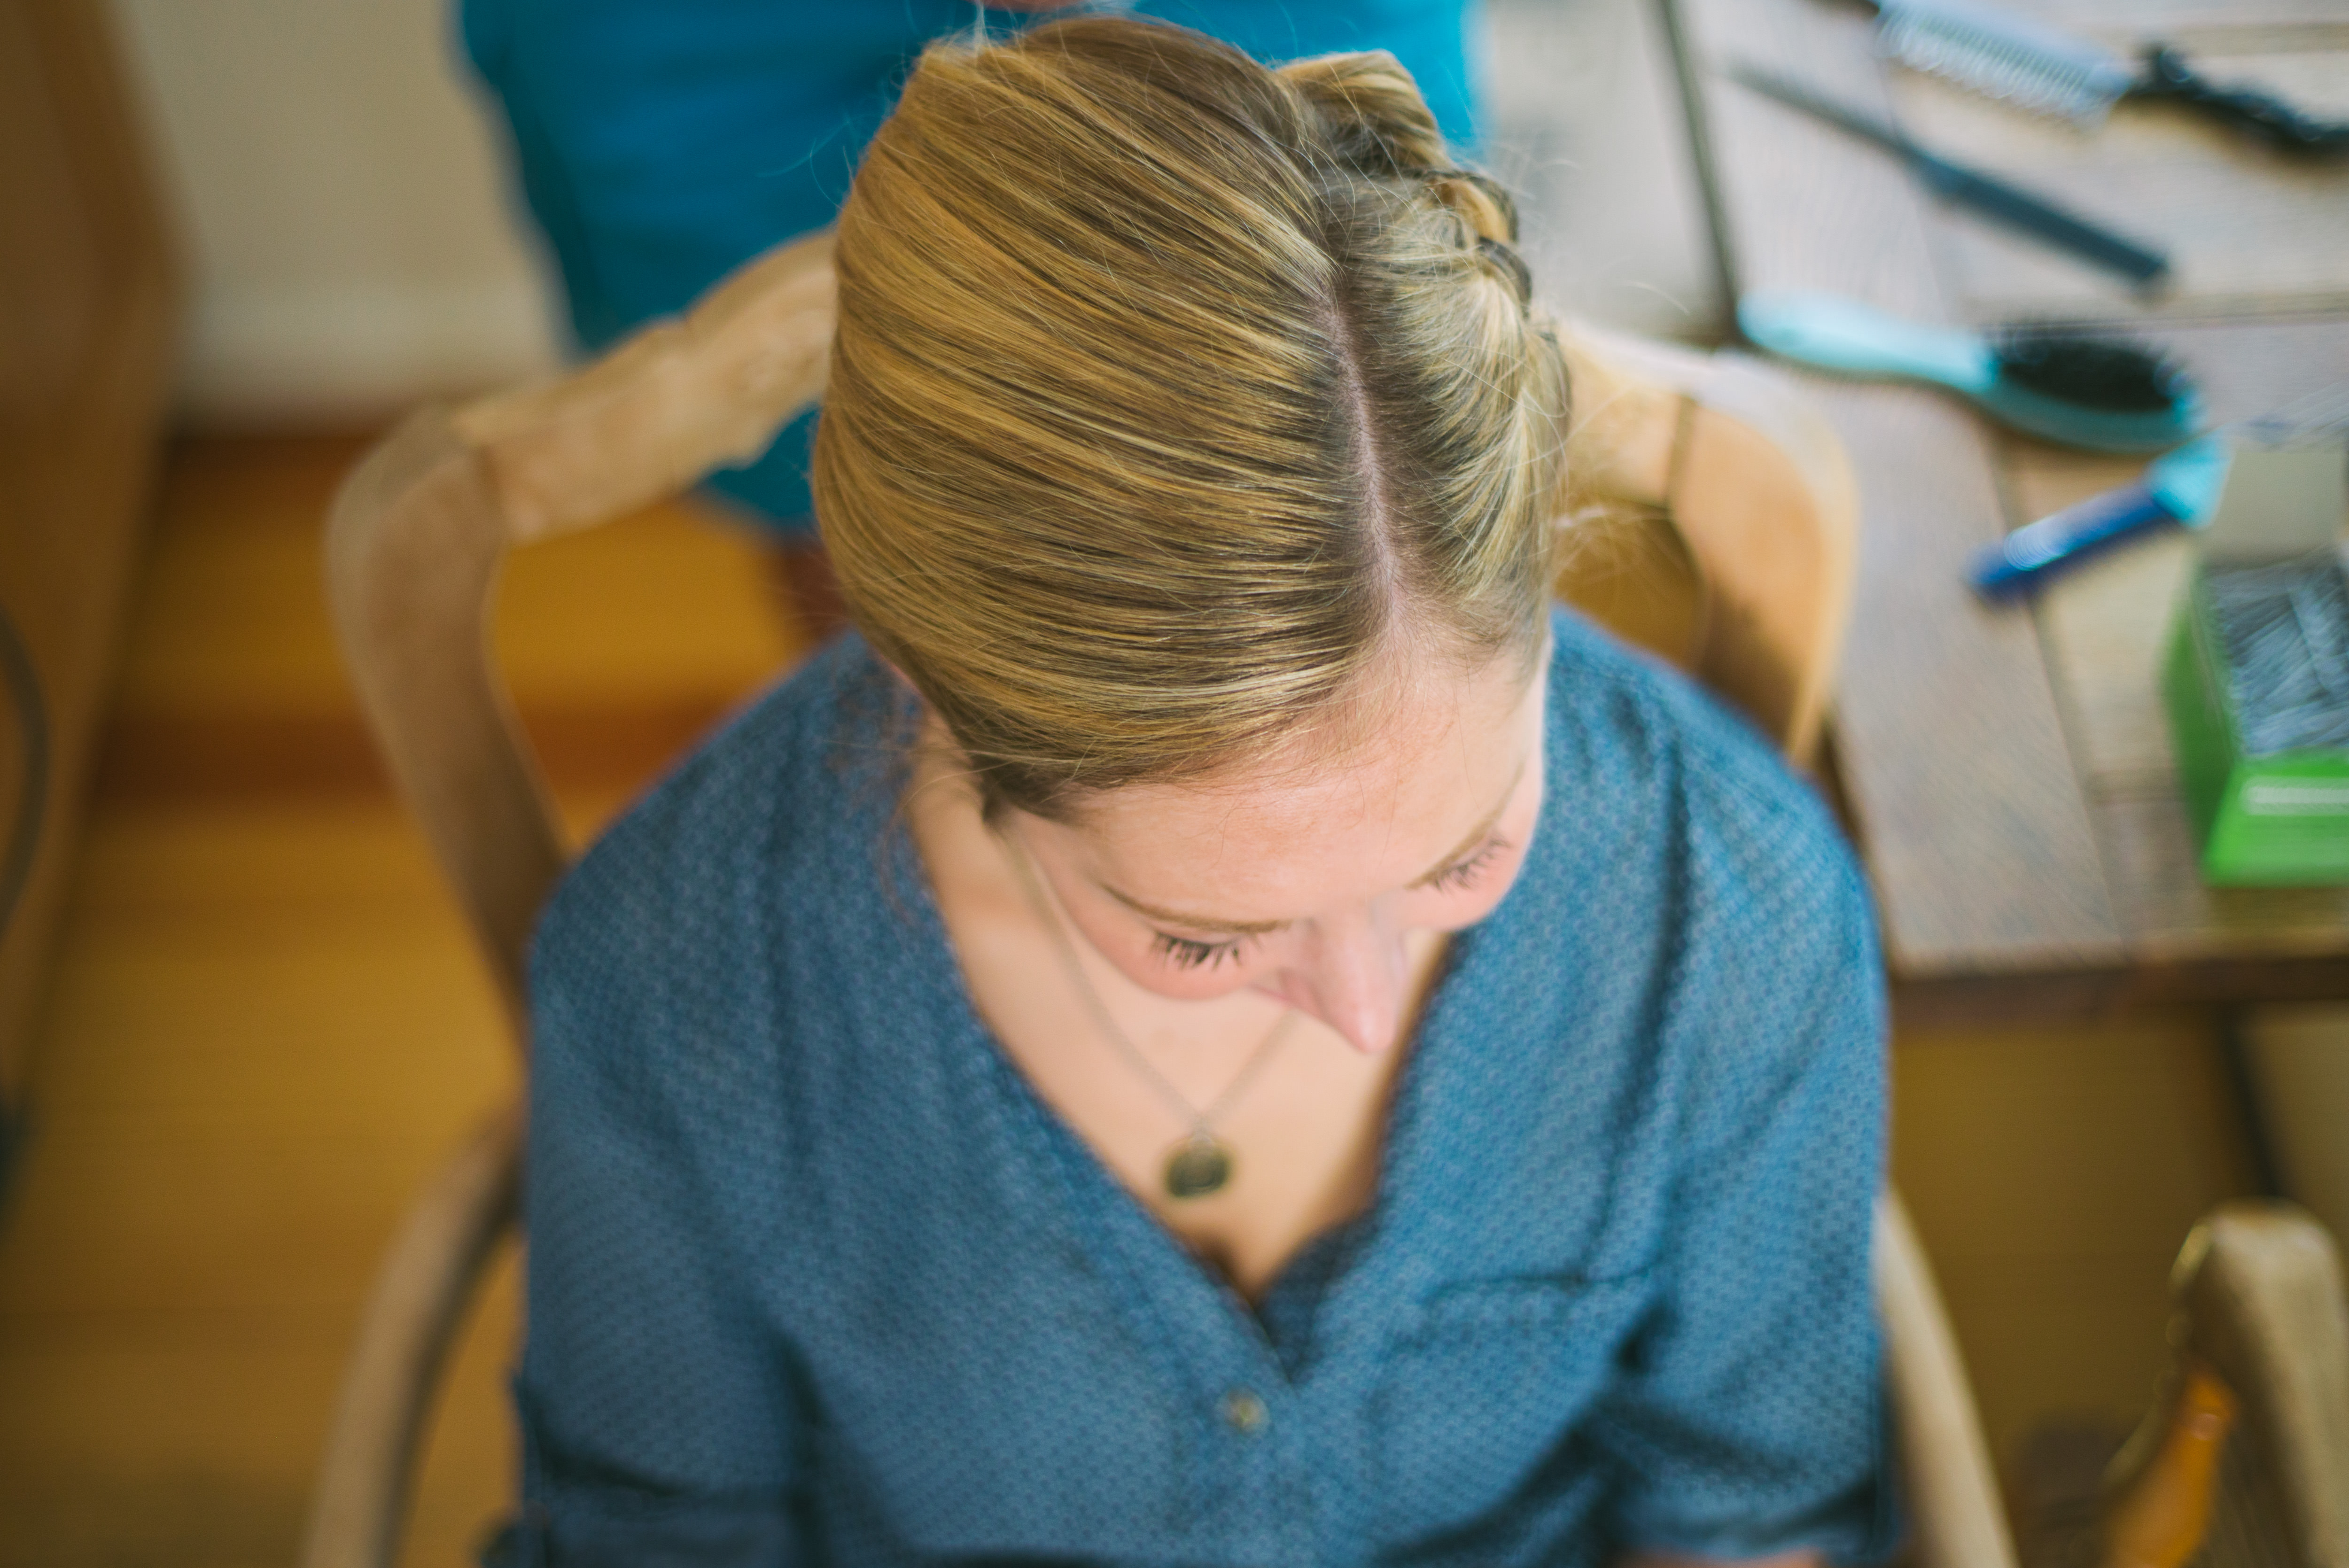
pixel 2180 487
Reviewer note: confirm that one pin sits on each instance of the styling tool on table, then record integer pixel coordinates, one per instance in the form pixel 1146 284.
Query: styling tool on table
pixel 2182 488
pixel 2068 385
pixel 1989 194
pixel 2035 67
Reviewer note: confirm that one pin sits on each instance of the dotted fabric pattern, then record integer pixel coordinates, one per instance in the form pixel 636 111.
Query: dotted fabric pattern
pixel 815 1277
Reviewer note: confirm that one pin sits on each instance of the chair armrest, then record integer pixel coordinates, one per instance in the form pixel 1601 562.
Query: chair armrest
pixel 1955 1517
pixel 2250 1440
pixel 411 1320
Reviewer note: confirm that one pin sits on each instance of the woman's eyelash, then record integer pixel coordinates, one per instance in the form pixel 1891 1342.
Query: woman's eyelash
pixel 1188 953
pixel 1185 953
pixel 1459 874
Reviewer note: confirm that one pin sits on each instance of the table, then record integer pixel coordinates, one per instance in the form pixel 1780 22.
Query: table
pixel 2008 770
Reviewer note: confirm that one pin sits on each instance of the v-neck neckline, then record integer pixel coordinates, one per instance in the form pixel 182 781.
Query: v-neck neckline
pixel 1091 1190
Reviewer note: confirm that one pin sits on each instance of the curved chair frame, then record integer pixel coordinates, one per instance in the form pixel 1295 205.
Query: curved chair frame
pixel 414 545
pixel 2243 1461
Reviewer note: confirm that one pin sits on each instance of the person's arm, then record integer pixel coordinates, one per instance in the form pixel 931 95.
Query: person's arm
pixel 659 1413
pixel 1748 1423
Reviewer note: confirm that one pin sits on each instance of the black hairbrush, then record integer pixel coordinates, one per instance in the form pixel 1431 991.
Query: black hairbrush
pixel 2069 384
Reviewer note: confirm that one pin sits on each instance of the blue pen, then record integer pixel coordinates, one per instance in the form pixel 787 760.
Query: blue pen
pixel 2179 487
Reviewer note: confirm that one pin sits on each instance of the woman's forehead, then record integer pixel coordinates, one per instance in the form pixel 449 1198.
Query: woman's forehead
pixel 1405 788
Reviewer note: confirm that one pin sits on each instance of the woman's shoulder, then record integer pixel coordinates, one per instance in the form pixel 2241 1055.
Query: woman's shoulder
pixel 1735 864
pixel 680 893
pixel 1663 763
pixel 1715 887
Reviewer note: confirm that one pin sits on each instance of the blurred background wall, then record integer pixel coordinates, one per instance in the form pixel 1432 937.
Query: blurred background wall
pixel 341 196
pixel 339 200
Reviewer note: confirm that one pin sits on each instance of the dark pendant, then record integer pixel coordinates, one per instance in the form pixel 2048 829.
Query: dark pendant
pixel 1199 1165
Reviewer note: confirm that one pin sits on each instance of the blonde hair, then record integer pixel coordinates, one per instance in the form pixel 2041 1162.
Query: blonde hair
pixel 1170 392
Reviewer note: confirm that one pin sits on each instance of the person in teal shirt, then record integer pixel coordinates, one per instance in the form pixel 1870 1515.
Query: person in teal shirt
pixel 661 143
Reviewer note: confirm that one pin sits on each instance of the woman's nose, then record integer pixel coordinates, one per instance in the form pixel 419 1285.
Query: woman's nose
pixel 1352 975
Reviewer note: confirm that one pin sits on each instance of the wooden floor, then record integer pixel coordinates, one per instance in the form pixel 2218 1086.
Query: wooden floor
pixel 266 1027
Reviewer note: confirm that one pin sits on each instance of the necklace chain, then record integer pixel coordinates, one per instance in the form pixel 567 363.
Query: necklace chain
pixel 1201 1122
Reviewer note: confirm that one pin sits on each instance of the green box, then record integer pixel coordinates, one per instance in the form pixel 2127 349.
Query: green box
pixel 2272 820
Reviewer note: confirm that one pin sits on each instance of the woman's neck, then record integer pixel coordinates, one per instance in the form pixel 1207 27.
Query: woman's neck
pixel 1306 1136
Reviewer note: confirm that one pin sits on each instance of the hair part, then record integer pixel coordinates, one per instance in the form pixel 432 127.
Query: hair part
pixel 1172 395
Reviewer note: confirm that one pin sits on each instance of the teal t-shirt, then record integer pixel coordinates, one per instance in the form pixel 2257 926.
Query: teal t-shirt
pixel 662 143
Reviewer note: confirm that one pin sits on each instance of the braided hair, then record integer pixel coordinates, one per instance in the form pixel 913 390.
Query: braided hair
pixel 1178 403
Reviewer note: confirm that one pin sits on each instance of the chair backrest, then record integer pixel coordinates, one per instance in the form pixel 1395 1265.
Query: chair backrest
pixel 414 546
pixel 421 526
pixel 1752 492
pixel 419 531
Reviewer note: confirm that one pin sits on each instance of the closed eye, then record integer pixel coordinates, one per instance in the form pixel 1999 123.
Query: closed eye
pixel 1461 873
pixel 1185 952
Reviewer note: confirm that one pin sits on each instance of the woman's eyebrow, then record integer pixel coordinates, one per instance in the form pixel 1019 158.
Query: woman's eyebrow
pixel 1477 835
pixel 1258 927
pixel 1194 922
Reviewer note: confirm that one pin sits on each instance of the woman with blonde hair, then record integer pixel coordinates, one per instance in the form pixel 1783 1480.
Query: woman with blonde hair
pixel 1220 1028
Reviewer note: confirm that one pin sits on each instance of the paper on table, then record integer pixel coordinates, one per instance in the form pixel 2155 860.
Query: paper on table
pixel 2279 502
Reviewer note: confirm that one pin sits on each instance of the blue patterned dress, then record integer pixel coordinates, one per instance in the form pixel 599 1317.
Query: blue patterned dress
pixel 815 1276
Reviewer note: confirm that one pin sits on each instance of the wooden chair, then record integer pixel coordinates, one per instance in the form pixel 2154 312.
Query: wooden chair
pixel 2244 1460
pixel 413 549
